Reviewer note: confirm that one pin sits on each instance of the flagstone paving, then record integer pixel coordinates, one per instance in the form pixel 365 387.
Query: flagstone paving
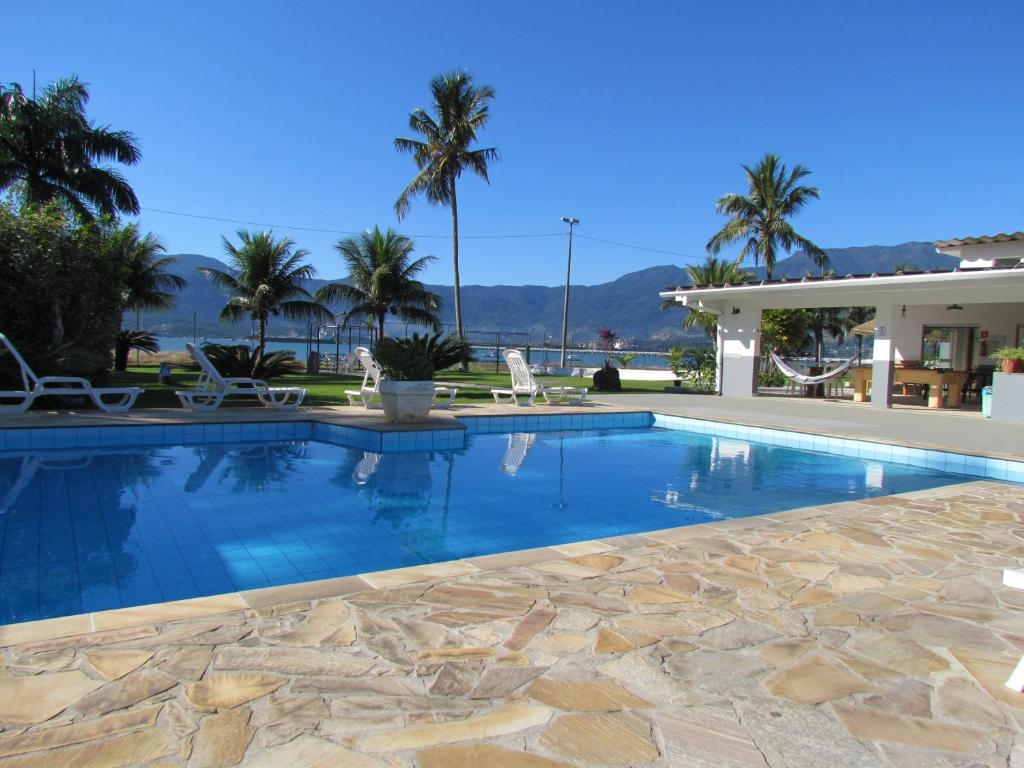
pixel 870 633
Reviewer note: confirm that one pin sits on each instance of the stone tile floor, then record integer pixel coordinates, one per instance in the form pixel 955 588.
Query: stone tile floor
pixel 869 633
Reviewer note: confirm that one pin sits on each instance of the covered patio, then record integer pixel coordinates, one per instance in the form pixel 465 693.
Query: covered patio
pixel 931 328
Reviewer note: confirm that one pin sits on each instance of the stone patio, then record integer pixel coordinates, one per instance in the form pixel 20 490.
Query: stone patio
pixel 867 633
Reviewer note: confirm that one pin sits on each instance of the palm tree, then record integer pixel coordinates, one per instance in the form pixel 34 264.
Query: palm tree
pixel 460 111
pixel 830 321
pixel 854 317
pixel 760 218
pixel 146 285
pixel 712 272
pixel 266 279
pixel 382 279
pixel 50 150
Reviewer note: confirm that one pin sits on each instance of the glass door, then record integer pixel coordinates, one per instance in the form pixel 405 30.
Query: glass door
pixel 948 347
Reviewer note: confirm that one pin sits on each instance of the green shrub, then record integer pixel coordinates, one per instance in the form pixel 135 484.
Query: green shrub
pixel 241 361
pixel 60 291
pixel 417 358
pixel 1009 353
pixel 404 359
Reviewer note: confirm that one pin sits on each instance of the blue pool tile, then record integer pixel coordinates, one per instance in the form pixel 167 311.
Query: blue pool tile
pixel 955 462
pixel 995 469
pixel 18 439
pixel 40 438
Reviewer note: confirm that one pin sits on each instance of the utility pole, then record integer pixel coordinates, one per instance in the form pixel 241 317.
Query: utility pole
pixel 565 303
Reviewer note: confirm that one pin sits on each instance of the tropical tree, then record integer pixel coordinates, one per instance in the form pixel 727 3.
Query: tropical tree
pixel 854 317
pixel 266 279
pixel 147 283
pixel 760 219
pixel 826 321
pixel 783 331
pixel 382 280
pixel 713 271
pixel 461 110
pixel 51 151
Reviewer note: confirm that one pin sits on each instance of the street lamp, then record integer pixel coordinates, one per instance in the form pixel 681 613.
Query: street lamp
pixel 565 304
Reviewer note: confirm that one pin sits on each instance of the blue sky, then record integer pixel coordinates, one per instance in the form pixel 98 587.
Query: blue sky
pixel 633 117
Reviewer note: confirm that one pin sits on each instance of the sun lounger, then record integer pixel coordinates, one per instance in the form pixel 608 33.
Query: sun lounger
pixel 369 390
pixel 525 386
pixel 123 398
pixel 212 388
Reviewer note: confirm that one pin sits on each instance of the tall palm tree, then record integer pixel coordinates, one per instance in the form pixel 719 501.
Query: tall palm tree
pixel 460 111
pixel 146 285
pixel 382 280
pixel 761 217
pixel 266 279
pixel 50 150
pixel 712 272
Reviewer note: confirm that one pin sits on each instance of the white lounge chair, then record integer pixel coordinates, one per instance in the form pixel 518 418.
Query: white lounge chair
pixel 519 444
pixel 212 388
pixel 40 386
pixel 369 390
pixel 524 385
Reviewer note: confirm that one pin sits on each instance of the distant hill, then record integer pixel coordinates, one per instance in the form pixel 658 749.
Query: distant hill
pixel 629 304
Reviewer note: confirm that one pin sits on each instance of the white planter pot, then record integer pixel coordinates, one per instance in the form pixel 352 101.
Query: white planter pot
pixel 406 402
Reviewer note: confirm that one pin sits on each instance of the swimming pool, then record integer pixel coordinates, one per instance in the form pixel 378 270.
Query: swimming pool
pixel 153 514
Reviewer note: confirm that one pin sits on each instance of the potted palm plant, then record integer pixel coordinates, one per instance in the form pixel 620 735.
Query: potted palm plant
pixel 408 365
pixel 1012 359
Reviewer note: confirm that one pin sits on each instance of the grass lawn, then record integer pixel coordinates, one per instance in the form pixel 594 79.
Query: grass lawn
pixel 328 388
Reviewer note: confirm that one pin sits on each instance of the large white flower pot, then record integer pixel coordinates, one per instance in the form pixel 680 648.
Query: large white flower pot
pixel 406 402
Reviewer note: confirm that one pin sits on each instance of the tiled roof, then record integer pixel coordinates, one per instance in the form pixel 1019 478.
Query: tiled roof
pixel 980 240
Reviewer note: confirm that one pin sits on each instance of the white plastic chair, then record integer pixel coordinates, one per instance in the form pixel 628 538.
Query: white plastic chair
pixel 524 385
pixel 39 386
pixel 369 390
pixel 211 389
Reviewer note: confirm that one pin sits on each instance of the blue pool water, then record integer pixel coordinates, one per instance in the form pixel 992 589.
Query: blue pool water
pixel 92 529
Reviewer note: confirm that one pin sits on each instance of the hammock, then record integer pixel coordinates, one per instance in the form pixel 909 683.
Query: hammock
pixel 801 378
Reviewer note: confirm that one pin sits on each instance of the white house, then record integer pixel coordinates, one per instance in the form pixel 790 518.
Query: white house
pixel 953 319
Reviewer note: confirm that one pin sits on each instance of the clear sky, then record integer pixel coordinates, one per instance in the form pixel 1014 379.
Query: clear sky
pixel 632 116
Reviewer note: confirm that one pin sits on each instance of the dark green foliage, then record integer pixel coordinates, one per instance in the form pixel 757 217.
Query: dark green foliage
pixel 444 352
pixel 382 280
pixel 51 152
pixel 127 341
pixel 784 331
pixel 404 359
pixel 241 361
pixel 60 291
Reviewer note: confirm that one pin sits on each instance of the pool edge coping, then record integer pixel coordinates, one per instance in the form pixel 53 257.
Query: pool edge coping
pixel 154 614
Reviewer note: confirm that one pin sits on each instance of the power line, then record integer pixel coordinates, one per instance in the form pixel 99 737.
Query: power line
pixel 324 230
pixel 635 247
pixel 339 231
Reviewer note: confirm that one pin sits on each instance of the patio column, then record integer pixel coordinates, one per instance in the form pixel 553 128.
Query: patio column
pixel 882 357
pixel 739 350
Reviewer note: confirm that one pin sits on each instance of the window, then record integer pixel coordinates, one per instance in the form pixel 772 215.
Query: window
pixel 947 347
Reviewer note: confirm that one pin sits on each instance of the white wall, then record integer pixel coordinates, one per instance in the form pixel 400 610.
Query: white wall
pixel 997 319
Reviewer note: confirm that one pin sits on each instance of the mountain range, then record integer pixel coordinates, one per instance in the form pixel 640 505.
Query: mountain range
pixel 629 304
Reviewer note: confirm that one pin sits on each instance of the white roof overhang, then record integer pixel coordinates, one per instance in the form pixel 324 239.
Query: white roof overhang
pixel 995 286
